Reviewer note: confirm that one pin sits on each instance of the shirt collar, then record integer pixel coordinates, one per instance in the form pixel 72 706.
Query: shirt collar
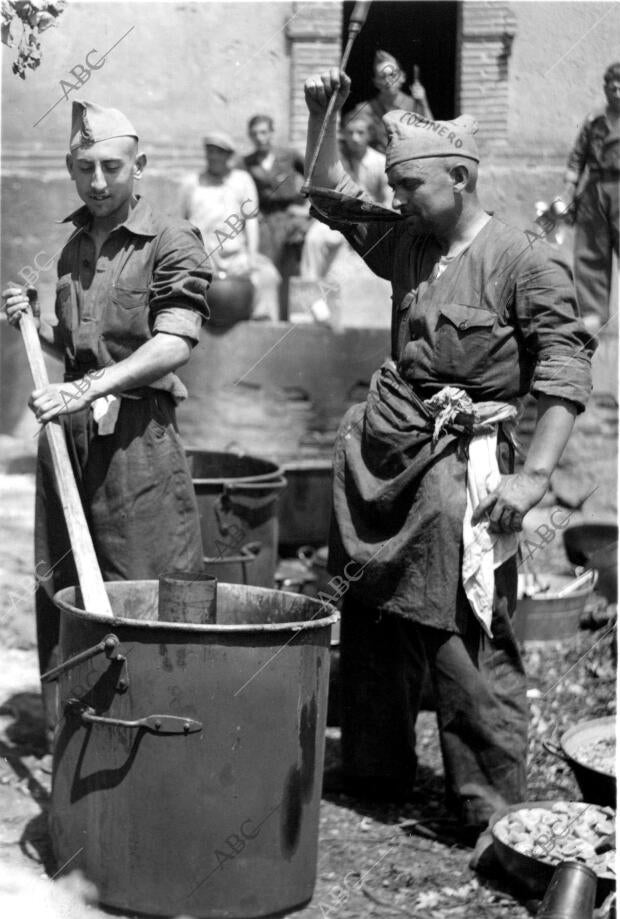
pixel 139 220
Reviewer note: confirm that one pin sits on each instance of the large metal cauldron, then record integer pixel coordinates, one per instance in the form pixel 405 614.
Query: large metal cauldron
pixel 237 499
pixel 188 758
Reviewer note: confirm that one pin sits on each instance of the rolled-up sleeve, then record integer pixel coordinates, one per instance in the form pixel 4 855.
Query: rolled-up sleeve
pixel 181 278
pixel 554 334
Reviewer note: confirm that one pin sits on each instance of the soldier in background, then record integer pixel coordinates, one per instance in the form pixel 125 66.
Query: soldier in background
pixel 389 79
pixel 591 190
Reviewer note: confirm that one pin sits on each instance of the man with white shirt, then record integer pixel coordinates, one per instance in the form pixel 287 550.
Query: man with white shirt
pixel 223 203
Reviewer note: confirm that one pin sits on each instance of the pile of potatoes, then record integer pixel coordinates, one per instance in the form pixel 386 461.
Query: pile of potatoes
pixel 568 831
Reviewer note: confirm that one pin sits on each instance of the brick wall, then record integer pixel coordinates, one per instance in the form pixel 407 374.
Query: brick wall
pixel 486 32
pixel 315 36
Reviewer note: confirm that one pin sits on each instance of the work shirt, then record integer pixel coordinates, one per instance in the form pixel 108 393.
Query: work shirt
pixel 497 320
pixel 219 206
pixel 279 182
pixel 596 148
pixel 151 275
pixel 500 320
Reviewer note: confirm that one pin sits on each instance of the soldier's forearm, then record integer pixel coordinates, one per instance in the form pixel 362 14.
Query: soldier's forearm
pixel 328 170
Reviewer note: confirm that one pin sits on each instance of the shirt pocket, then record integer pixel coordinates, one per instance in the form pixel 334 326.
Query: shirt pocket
pixel 463 338
pixel 129 298
pixel 125 321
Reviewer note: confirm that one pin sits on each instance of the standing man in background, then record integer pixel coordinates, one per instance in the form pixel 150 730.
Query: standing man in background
pixel 278 176
pixel 592 190
pixel 223 203
pixel 130 302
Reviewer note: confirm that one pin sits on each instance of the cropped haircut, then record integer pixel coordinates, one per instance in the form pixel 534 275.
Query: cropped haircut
pixel 612 73
pixel 258 119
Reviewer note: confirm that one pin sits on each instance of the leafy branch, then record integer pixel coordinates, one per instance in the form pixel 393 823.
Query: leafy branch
pixel 34 17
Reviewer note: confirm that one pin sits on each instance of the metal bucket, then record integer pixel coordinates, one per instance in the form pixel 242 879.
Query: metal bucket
pixel 305 508
pixel 234 569
pixel 188 758
pixel 237 499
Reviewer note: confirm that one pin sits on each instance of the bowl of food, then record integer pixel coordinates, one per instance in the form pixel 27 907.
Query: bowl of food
pixel 532 838
pixel 589 748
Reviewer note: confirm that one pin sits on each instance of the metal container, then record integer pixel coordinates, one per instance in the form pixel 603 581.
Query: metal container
pixel 571 893
pixel 188 758
pixel 237 499
pixel 549 618
pixel 533 874
pixel 234 569
pixel 596 787
pixel 595 545
pixel 230 301
pixel 305 507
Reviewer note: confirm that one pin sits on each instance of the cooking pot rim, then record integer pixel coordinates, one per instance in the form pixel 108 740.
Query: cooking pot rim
pixel 232 480
pixel 568 737
pixel 213 628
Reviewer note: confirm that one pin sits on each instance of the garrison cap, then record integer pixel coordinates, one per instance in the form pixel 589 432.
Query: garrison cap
pixel 220 139
pixel 384 57
pixel 91 123
pixel 414 137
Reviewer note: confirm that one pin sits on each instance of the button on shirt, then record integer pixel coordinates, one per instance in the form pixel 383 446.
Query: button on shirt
pixel 499 319
pixel 151 275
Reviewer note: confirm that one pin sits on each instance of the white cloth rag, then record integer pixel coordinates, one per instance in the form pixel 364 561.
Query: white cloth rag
pixel 483 551
pixel 105 413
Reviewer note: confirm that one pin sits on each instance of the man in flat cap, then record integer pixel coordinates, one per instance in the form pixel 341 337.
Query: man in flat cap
pixel 389 79
pixel 426 504
pixel 223 203
pixel 130 302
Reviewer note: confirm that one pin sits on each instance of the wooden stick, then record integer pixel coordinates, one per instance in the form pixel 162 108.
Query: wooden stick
pixel 94 596
pixel 357 20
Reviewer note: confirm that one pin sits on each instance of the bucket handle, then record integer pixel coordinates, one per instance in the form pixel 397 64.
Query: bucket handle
pixel 107 645
pixel 555 750
pixel 275 484
pixel 156 724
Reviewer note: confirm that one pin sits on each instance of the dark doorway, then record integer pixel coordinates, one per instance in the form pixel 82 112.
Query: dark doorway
pixel 421 33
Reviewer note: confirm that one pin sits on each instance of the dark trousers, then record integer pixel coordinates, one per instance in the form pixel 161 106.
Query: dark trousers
pixel 480 693
pixel 139 502
pixel 596 239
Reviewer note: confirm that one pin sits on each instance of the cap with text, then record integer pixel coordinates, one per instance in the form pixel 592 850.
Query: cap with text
pixel 413 137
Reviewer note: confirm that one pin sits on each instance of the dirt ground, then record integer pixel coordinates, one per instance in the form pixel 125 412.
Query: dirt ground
pixel 393 867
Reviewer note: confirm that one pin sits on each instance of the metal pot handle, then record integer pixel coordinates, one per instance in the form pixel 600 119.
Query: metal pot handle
pixel 107 645
pixel 555 750
pixel 275 484
pixel 156 724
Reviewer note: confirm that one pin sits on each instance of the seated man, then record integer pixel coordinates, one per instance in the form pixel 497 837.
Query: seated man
pixel 322 256
pixel 222 202
pixel 389 79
